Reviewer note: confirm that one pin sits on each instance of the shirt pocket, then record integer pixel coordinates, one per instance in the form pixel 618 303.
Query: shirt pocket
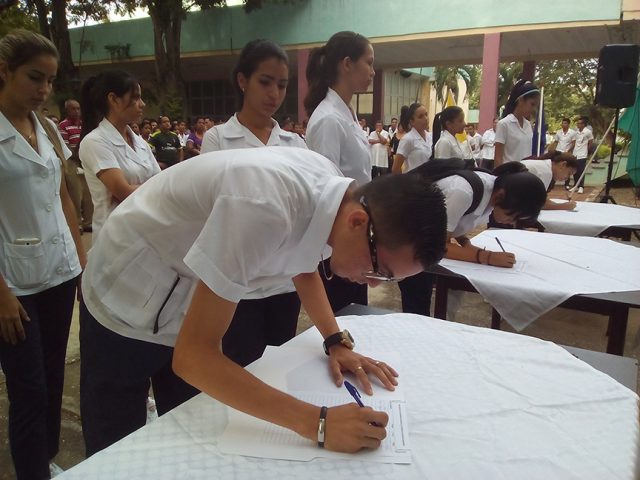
pixel 26 264
pixel 137 288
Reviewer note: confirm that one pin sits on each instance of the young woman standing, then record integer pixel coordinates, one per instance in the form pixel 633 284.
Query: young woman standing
pixel 446 125
pixel 514 133
pixel 42 256
pixel 415 147
pixel 335 72
pixel 260 79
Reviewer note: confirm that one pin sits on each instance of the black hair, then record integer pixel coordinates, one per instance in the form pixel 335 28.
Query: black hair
pixel 407 210
pixel 394 118
pixel 93 96
pixel 584 119
pixel 21 46
pixel 565 119
pixel 449 114
pixel 254 53
pixel 522 89
pixel 524 193
pixel 557 156
pixel 322 67
pixel 406 114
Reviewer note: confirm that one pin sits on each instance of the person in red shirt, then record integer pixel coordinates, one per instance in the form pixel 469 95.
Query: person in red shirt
pixel 70 129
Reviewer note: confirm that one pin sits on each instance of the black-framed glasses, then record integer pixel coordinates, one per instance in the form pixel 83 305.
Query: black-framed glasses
pixel 374 274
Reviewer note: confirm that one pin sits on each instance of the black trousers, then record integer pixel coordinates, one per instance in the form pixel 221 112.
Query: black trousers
pixel 415 293
pixel 582 164
pixel 258 323
pixel 115 375
pixel 34 369
pixel 343 292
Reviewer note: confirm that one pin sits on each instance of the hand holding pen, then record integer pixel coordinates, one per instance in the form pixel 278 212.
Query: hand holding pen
pixel 502 259
pixel 358 398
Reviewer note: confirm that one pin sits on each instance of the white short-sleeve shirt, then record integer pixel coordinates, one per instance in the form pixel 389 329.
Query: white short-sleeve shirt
pixel 458 196
pixel 104 148
pixel 334 132
pixel 515 138
pixel 475 143
pixel 232 134
pixel 488 144
pixel 448 146
pixel 415 149
pixel 379 152
pixel 31 209
pixel 541 169
pixel 242 221
pixel 582 138
pixel 564 139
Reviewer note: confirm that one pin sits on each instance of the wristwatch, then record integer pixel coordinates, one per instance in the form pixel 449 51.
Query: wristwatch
pixel 343 337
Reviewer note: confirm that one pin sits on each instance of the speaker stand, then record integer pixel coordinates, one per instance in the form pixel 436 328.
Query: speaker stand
pixel 607 197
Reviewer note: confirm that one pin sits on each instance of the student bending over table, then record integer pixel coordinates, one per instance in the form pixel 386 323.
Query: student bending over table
pixel 175 258
pixel 554 167
pixel 511 193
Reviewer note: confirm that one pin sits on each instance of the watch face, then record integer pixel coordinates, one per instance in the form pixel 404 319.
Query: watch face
pixel 347 339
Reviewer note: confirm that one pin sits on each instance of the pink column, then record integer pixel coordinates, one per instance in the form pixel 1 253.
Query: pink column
pixel 303 87
pixel 489 81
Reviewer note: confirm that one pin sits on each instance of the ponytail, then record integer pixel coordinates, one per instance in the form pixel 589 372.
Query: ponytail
pixel 406 115
pixel 524 193
pixel 441 119
pixel 94 92
pixel 522 89
pixel 435 132
pixel 322 68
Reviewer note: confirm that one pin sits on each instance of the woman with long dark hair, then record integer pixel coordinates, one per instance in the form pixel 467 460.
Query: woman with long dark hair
pixel 415 147
pixel 335 72
pixel 116 161
pixel 260 80
pixel 446 125
pixel 42 256
pixel 513 132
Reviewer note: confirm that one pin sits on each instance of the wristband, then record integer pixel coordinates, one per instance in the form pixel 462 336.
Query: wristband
pixel 321 426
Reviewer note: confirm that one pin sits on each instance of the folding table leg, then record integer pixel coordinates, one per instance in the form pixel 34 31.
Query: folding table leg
pixel 495 319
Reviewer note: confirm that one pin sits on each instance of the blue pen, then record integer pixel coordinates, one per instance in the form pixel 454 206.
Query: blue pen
pixel 356 396
pixel 500 243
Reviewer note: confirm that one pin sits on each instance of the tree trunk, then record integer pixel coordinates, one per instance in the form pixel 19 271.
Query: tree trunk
pixel 43 13
pixel 66 86
pixel 167 23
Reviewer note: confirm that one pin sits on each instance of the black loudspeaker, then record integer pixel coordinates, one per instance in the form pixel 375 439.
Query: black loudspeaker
pixel 617 76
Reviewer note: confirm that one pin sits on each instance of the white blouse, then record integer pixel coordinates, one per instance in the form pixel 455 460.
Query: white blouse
pixel 415 149
pixel 37 251
pixel 334 132
pixel 103 149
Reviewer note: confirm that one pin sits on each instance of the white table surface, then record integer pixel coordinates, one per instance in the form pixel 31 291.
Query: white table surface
pixel 483 404
pixel 550 268
pixel 590 219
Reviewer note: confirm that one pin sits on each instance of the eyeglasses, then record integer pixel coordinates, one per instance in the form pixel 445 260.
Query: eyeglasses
pixel 374 274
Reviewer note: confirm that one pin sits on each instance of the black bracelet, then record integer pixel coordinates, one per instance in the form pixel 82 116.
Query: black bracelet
pixel 322 426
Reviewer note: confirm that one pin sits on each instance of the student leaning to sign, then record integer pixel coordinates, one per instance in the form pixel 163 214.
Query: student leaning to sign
pixel 554 167
pixel 511 193
pixel 228 226
pixel 41 257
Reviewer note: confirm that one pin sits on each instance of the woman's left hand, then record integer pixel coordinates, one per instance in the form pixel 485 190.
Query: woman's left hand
pixel 341 359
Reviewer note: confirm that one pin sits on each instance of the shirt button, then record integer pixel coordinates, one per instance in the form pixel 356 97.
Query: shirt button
pixel 49 207
pixel 54 240
pixel 59 270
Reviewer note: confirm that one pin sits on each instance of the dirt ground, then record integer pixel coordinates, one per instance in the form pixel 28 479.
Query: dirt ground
pixel 562 326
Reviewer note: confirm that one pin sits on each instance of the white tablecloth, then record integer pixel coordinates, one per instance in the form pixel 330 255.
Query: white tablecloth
pixel 550 268
pixel 590 219
pixel 482 404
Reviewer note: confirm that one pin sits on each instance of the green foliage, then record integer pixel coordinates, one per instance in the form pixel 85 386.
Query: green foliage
pixel 17 16
pixel 603 152
pixel 445 80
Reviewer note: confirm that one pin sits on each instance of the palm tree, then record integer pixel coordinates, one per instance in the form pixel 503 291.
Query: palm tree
pixel 508 75
pixel 446 80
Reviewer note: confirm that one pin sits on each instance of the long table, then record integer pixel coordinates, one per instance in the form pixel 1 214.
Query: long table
pixel 481 404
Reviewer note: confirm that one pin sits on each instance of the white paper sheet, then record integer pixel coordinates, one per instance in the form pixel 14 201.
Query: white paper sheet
pixel 590 219
pixel 555 268
pixel 306 377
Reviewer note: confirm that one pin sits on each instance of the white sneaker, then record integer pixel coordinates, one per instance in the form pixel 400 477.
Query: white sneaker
pixel 567 187
pixel 580 190
pixel 152 412
pixel 55 470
